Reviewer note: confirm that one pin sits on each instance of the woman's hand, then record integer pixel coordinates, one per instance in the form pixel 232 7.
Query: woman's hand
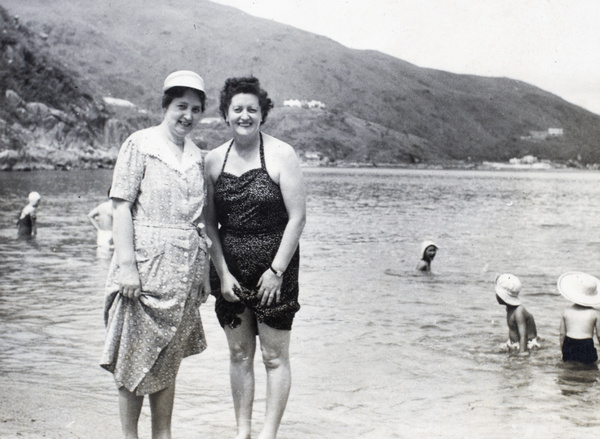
pixel 129 281
pixel 228 284
pixel 269 288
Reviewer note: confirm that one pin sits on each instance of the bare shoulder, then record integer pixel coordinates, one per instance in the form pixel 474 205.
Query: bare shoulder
pixel 218 152
pixel 279 155
pixel 278 148
pixel 581 312
pixel 27 210
pixel 595 312
pixel 520 312
pixel 281 160
pixel 526 313
pixel 214 158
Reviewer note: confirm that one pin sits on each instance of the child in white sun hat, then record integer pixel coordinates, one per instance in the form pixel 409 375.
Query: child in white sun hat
pixel 27 223
pixel 522 332
pixel 580 320
pixel 428 252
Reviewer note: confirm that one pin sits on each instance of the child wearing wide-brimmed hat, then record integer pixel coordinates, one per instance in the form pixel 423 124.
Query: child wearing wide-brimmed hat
pixel 581 319
pixel 522 332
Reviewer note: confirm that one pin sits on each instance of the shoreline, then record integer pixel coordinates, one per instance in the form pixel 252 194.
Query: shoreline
pixel 441 165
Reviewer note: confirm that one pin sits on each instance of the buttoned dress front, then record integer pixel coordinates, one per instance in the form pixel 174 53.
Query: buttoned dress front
pixel 147 338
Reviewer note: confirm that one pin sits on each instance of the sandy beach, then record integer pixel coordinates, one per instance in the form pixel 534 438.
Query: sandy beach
pixel 28 411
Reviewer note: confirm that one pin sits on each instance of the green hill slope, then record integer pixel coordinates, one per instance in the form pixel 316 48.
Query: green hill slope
pixel 378 108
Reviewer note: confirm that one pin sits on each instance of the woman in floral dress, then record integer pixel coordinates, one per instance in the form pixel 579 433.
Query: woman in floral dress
pixel 157 276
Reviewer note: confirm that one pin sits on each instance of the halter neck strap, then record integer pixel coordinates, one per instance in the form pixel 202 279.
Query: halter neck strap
pixel 262 154
pixel 226 156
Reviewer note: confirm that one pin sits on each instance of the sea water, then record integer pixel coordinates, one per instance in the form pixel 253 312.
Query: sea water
pixel 378 350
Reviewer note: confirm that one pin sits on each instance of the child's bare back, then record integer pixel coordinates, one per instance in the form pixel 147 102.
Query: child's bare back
pixel 520 321
pixel 580 321
pixel 522 331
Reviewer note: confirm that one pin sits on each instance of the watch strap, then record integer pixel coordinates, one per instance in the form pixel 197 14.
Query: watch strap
pixel 277 273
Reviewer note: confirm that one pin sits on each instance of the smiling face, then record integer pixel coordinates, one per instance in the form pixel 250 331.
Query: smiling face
pixel 429 253
pixel 244 114
pixel 183 114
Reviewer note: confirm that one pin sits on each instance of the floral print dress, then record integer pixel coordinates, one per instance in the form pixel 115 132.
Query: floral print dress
pixel 147 338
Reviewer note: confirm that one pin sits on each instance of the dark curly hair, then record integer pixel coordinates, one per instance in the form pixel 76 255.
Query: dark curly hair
pixel 249 85
pixel 176 92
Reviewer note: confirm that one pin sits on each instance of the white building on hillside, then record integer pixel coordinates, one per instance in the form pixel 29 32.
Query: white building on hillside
pixel 118 102
pixel 555 132
pixel 292 103
pixel 297 103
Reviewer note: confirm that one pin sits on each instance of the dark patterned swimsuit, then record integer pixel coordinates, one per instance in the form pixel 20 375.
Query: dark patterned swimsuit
pixel 252 217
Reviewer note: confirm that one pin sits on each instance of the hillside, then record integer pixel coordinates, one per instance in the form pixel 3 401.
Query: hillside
pixel 49 120
pixel 378 108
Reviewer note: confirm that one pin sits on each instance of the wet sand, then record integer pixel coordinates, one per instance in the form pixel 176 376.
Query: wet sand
pixel 34 412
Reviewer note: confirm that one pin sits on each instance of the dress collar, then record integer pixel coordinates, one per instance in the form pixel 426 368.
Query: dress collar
pixel 153 145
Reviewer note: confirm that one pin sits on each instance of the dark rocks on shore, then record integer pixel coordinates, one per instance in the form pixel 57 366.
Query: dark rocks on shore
pixel 48 118
pixel 42 137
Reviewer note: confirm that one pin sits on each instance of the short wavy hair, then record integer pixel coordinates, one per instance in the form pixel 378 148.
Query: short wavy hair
pixel 248 85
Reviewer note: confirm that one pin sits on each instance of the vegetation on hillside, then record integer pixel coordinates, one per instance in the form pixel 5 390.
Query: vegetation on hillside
pixel 48 118
pixel 379 109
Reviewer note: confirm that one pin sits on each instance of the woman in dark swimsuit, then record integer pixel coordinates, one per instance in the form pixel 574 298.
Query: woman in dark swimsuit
pixel 255 215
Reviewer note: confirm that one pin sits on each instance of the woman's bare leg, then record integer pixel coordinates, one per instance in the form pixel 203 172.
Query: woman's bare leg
pixel 242 346
pixel 130 407
pixel 275 344
pixel 161 406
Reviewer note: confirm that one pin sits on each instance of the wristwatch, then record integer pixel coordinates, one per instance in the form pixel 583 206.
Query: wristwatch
pixel 277 273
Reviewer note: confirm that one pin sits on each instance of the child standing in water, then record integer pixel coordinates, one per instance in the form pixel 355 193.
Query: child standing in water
pixel 102 219
pixel 27 223
pixel 428 251
pixel 580 320
pixel 522 332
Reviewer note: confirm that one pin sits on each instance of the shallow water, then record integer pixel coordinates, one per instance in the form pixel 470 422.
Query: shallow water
pixel 379 351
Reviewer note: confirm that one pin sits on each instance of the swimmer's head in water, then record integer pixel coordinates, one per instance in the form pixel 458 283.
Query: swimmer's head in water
pixel 428 250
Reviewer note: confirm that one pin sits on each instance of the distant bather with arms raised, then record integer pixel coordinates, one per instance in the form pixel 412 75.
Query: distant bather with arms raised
pixel 101 218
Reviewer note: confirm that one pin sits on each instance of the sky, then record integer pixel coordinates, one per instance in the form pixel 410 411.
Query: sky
pixel 552 44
